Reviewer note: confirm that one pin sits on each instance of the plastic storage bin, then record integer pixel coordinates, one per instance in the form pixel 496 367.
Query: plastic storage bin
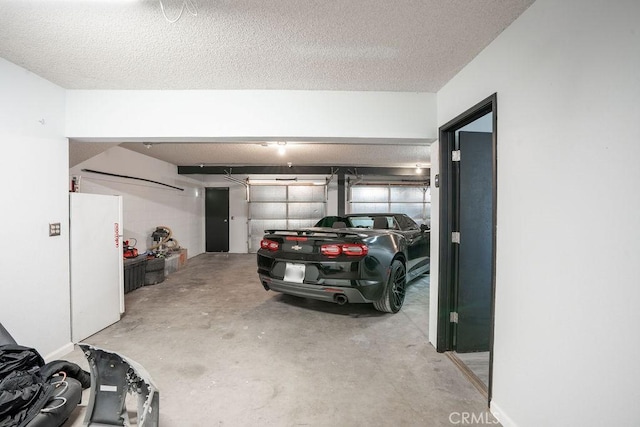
pixel 134 271
pixel 154 271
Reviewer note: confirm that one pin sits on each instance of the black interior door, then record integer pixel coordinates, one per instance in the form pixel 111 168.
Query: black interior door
pixel 475 250
pixel 217 219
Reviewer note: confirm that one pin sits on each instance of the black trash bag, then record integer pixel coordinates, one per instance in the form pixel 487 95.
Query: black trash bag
pixel 27 384
pixel 23 390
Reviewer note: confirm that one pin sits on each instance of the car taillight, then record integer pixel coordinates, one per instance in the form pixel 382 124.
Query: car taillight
pixel 355 249
pixel 330 250
pixel 269 245
pixel 349 249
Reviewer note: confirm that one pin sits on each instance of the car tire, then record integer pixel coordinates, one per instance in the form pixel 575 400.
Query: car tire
pixel 393 294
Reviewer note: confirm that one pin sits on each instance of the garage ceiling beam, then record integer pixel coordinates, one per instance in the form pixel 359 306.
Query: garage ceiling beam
pixel 301 170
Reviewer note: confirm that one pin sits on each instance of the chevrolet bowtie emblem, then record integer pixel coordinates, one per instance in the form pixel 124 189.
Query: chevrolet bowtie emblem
pixel 296 247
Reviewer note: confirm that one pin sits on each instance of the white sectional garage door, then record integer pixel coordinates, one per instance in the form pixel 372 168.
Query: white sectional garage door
pixel 283 207
pixel 412 200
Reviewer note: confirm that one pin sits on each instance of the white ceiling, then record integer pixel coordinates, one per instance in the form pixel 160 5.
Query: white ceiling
pixel 350 45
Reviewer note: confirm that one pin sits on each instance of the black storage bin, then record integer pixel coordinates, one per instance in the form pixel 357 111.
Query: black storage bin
pixel 154 271
pixel 134 271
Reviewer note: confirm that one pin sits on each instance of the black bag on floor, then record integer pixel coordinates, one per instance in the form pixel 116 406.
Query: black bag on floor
pixel 23 390
pixel 35 394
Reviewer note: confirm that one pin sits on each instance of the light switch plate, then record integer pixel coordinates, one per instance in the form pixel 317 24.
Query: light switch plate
pixel 54 229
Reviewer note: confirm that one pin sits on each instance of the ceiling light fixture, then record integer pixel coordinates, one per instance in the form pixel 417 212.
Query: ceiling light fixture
pixel 189 5
pixel 148 145
pixel 282 148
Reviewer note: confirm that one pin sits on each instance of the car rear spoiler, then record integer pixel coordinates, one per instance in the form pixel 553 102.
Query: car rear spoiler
pixel 316 232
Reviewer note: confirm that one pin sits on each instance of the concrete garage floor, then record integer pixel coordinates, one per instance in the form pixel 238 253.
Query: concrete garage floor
pixel 224 352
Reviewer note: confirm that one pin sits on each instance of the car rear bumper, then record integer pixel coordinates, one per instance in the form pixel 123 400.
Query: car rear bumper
pixel 359 281
pixel 328 293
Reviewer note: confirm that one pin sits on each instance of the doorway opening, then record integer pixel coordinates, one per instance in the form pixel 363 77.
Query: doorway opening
pixel 466 286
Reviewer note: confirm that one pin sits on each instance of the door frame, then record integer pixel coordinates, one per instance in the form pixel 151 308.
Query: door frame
pixel 448 205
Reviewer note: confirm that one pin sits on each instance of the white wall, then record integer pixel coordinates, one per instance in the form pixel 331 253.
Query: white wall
pixel 147 205
pixel 34 283
pixel 250 114
pixel 567 344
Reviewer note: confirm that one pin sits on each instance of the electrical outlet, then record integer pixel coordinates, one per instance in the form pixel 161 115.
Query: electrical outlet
pixel 54 229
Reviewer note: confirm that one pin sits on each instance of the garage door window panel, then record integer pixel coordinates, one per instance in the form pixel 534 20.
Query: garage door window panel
pixel 413 200
pixel 283 206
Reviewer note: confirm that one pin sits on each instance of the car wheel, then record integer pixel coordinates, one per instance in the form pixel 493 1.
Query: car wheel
pixel 393 294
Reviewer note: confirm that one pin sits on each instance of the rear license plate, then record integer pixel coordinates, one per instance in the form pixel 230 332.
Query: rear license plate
pixel 294 273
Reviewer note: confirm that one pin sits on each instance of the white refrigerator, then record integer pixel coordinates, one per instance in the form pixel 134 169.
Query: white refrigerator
pixel 96 263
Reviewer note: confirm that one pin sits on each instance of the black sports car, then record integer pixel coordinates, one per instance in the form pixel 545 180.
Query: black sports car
pixel 359 258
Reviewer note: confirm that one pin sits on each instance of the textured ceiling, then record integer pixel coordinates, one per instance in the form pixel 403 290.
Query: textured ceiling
pixel 382 45
pixel 354 45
